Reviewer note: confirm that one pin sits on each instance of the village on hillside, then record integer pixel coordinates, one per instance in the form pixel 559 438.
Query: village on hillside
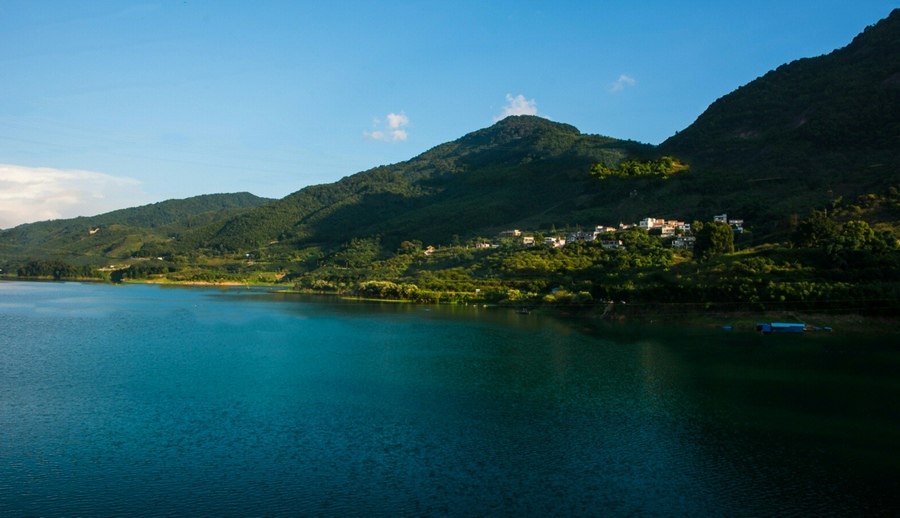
pixel 678 232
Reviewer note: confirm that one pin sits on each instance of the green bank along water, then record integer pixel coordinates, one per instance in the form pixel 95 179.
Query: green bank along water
pixel 150 401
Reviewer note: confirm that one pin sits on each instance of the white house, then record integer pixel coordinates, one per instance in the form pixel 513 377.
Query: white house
pixel 555 242
pixel 685 242
pixel 576 237
pixel 647 223
pixel 611 243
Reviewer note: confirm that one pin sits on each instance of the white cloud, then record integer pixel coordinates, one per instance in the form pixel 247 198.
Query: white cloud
pixel 621 83
pixel 391 131
pixel 29 194
pixel 517 105
pixel 397 121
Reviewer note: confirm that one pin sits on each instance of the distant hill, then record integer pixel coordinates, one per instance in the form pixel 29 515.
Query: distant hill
pixel 803 134
pixel 120 233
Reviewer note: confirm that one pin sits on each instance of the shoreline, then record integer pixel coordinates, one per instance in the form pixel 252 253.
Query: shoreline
pixel 160 282
pixel 668 314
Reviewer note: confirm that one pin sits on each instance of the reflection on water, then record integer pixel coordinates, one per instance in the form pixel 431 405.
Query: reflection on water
pixel 143 401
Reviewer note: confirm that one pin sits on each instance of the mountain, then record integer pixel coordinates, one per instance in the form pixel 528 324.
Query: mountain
pixel 798 138
pixel 121 233
pixel 804 134
pixel 522 171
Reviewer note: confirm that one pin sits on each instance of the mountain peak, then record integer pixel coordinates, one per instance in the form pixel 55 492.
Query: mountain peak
pixel 528 124
pixel 515 127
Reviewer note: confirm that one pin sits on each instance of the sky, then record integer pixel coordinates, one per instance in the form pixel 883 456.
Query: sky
pixel 113 104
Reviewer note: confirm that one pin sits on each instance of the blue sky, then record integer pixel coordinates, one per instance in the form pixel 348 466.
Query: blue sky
pixel 105 105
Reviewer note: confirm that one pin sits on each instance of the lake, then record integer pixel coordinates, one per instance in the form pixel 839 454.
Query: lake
pixel 142 400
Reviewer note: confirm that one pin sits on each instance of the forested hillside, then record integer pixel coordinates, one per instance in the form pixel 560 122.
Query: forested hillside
pixel 810 132
pixel 521 171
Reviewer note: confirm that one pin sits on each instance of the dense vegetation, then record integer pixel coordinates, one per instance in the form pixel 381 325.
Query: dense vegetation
pixel 662 168
pixel 57 270
pixel 854 268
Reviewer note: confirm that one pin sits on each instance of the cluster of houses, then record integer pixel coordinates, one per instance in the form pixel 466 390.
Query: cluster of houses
pixel 679 230
pixel 736 224
pixel 587 237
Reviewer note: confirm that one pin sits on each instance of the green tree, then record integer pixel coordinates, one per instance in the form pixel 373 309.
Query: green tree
pixel 814 230
pixel 856 242
pixel 410 247
pixel 713 239
pixel 856 235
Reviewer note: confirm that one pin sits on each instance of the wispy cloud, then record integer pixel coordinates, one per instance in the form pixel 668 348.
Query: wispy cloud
pixel 29 194
pixel 390 130
pixel 619 84
pixel 517 105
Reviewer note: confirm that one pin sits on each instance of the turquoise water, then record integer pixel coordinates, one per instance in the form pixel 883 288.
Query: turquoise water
pixel 149 401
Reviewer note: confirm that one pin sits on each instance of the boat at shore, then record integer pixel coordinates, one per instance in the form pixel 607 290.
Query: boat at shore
pixel 787 327
pixel 780 327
